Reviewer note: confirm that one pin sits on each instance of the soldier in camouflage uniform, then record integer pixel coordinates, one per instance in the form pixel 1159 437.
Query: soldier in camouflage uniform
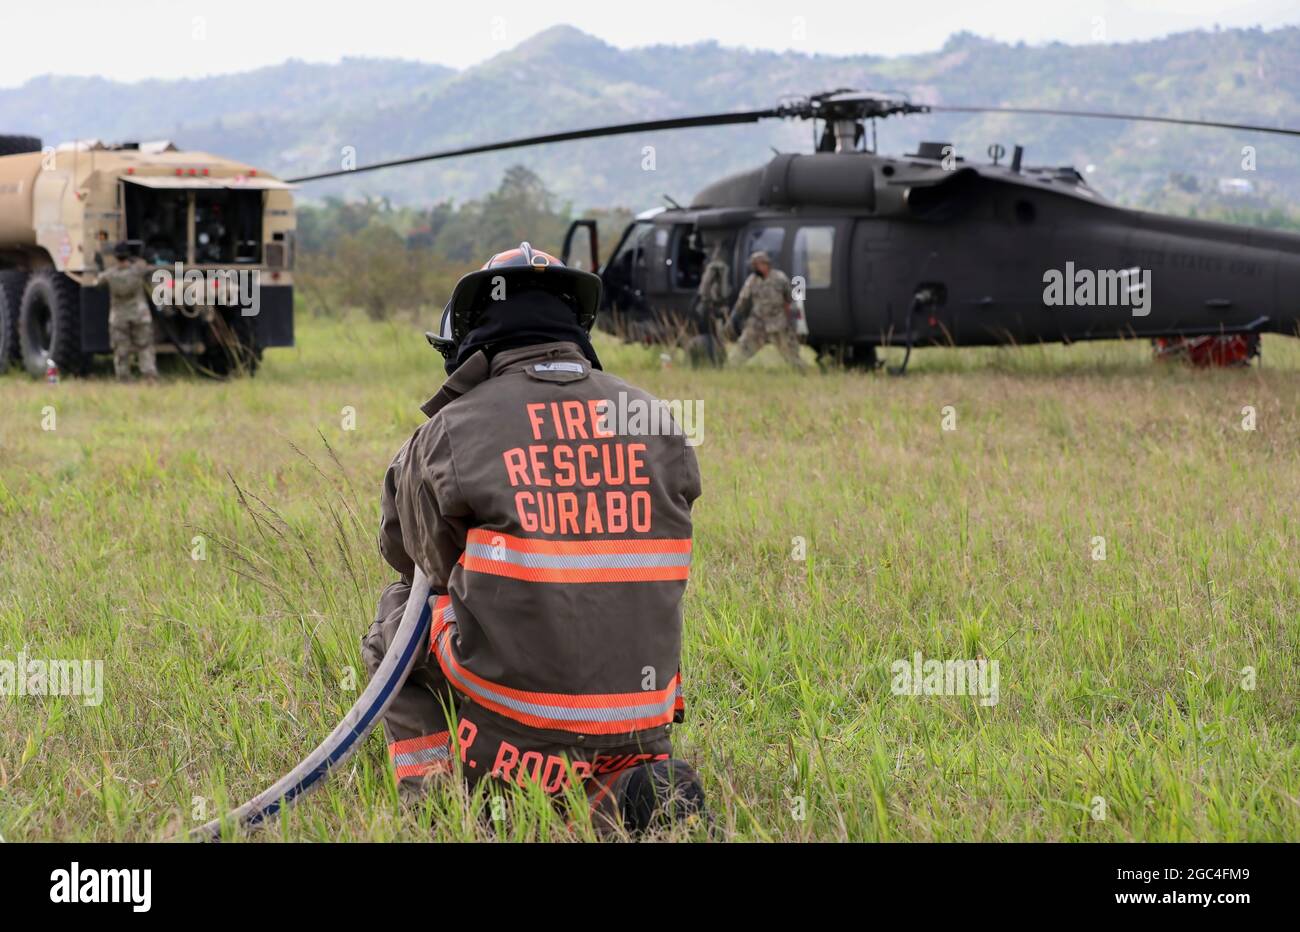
pixel 767 297
pixel 713 290
pixel 710 309
pixel 130 327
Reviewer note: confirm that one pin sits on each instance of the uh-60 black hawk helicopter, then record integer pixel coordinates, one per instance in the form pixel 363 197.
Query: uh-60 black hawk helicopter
pixel 930 249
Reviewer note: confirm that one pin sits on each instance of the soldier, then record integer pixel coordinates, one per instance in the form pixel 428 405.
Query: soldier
pixel 558 552
pixel 130 326
pixel 714 288
pixel 767 298
pixel 711 310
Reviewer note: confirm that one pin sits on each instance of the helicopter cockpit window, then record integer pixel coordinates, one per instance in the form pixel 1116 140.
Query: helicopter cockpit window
pixel 626 272
pixel 765 239
pixel 813 249
pixel 631 256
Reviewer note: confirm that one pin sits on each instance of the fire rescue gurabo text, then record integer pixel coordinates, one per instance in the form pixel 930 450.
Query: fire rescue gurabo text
pixel 579 478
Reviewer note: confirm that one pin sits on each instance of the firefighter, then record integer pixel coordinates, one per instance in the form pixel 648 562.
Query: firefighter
pixel 558 550
pixel 130 326
pixel 767 298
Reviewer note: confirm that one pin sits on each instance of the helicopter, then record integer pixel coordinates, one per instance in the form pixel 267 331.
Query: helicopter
pixel 931 249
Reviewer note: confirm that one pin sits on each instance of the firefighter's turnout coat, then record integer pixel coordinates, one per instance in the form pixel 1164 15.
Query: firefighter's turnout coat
pixel 558 541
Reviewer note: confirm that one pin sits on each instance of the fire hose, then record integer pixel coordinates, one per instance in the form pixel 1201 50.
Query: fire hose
pixel 412 636
pixel 220 332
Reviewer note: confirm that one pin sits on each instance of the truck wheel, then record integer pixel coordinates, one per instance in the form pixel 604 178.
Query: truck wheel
pixel 49 323
pixel 18 145
pixel 11 296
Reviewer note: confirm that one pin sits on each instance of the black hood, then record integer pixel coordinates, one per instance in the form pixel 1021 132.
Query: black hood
pixel 524 319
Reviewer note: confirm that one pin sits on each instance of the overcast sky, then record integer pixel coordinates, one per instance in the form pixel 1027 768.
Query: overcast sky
pixel 134 39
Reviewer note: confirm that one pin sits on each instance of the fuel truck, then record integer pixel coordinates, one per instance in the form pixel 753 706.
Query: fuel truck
pixel 196 218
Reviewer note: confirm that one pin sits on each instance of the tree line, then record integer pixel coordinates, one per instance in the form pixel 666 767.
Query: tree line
pixel 390 261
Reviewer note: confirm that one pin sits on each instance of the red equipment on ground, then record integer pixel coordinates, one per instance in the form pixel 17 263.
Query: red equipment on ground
pixel 1236 349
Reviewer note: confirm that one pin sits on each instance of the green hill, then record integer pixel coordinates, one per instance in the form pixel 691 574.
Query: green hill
pixel 298 117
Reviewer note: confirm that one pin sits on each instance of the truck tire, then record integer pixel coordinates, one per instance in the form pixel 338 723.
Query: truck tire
pixel 49 324
pixel 17 145
pixel 11 296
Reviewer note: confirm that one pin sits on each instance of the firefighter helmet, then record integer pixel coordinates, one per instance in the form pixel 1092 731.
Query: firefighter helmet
pixel 526 267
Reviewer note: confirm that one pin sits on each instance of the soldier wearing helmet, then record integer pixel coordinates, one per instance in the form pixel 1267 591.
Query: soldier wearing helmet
pixel 767 298
pixel 558 546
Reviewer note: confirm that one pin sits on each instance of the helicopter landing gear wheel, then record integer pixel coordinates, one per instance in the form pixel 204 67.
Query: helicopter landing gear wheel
pixel 704 350
pixel 856 356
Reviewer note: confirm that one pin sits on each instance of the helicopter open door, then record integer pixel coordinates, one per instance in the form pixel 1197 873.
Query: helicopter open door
pixel 626 274
pixel 814 253
pixel 581 248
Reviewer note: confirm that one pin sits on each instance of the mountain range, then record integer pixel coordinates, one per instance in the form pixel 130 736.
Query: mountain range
pixel 298 117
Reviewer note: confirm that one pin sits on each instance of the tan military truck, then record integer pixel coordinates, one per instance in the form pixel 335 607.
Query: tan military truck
pixel 195 217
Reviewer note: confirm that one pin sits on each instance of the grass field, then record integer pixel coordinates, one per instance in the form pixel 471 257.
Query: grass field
pixel 1120 679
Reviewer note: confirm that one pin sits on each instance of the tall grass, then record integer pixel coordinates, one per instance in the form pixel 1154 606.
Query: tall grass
pixel 1121 679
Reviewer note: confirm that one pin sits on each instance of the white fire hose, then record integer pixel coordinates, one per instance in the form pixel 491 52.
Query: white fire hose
pixel 412 637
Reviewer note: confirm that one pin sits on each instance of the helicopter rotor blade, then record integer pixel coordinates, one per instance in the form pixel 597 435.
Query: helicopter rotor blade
pixel 837 104
pixel 1133 117
pixel 595 132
